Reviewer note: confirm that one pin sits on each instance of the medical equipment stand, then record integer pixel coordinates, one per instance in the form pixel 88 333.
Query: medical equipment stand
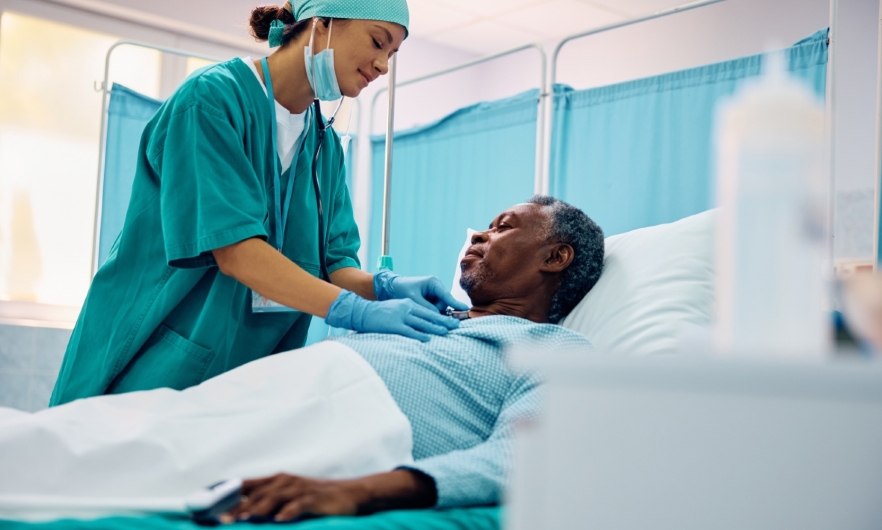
pixel 385 263
pixel 102 138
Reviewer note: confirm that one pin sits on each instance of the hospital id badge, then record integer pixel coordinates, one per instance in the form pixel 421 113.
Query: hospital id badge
pixel 261 304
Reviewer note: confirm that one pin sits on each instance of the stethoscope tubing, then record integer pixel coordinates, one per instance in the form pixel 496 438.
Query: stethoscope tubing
pixel 321 128
pixel 318 190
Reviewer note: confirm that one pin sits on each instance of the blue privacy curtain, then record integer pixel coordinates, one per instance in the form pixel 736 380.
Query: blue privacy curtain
pixel 641 153
pixel 456 173
pixel 127 115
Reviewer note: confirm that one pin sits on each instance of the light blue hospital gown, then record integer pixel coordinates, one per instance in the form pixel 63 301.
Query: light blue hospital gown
pixel 461 400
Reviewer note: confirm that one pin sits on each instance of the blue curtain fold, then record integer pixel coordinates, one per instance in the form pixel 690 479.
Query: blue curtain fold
pixel 127 115
pixel 640 153
pixel 458 172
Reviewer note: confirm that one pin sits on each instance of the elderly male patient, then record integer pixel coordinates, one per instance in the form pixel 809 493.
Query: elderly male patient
pixel 531 267
pixel 527 271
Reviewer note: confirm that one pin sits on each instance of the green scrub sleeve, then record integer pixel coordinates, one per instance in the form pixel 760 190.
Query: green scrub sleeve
pixel 210 194
pixel 343 240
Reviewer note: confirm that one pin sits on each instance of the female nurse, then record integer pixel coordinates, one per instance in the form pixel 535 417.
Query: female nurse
pixel 223 257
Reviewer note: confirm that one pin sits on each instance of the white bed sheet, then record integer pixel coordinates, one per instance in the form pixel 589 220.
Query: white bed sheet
pixel 320 411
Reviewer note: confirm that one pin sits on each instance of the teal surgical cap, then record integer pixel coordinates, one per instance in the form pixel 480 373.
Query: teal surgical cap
pixel 394 11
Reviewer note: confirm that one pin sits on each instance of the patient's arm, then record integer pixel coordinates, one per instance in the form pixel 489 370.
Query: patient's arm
pixel 285 497
pixel 477 475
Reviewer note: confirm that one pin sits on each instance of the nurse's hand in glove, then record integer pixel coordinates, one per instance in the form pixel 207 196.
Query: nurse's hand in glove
pixel 428 291
pixel 401 317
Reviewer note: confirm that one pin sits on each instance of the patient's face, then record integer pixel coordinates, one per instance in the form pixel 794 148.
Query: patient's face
pixel 504 260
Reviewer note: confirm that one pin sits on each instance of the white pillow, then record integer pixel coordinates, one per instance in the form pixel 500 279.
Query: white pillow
pixel 656 287
pixel 456 290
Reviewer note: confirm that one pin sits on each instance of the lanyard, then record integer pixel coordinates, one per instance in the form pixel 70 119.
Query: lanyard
pixel 281 211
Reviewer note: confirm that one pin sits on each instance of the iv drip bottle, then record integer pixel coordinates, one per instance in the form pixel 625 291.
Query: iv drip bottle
pixel 771 289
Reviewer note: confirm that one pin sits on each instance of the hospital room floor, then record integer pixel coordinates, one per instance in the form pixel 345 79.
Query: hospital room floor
pixel 482 518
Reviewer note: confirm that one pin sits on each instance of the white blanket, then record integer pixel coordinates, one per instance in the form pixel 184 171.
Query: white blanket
pixel 320 411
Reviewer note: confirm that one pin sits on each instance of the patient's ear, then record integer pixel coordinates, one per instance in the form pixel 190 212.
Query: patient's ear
pixel 558 259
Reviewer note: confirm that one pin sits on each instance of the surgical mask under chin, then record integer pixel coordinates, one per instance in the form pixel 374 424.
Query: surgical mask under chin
pixel 320 69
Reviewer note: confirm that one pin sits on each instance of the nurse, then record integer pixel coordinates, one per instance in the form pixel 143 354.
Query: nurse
pixel 221 260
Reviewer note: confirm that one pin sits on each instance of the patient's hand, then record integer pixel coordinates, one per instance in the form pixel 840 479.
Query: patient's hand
pixel 286 497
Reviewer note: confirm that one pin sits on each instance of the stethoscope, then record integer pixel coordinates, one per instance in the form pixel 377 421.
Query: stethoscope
pixel 459 315
pixel 282 210
pixel 321 129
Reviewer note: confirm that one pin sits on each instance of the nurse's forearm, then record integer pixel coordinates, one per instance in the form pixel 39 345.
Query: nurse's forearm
pixel 266 271
pixel 355 280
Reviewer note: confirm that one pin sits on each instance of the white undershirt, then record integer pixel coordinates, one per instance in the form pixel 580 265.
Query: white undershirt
pixel 290 126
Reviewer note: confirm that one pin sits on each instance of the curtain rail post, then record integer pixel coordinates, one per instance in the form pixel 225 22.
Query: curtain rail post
pixel 877 257
pixel 556 54
pixel 540 183
pixel 829 133
pixel 387 169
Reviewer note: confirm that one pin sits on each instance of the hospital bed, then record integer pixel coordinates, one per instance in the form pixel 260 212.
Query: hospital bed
pixel 484 518
pixel 635 438
pixel 693 307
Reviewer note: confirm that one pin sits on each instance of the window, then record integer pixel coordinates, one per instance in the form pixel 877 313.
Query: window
pixel 50 115
pixel 194 63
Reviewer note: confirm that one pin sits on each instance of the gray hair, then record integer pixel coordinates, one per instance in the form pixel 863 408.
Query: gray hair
pixel 570 226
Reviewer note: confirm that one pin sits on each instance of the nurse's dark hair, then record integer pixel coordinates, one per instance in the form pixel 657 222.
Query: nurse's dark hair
pixel 569 225
pixel 263 16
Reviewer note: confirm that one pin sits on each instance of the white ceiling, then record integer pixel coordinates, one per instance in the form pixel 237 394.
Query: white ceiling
pixel 488 26
pixel 477 26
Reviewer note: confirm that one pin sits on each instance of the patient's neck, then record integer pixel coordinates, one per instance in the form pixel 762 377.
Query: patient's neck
pixel 515 307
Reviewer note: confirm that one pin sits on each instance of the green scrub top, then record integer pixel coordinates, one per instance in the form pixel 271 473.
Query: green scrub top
pixel 159 313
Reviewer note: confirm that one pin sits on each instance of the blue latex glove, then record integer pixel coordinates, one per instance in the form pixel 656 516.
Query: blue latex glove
pixel 401 317
pixel 428 291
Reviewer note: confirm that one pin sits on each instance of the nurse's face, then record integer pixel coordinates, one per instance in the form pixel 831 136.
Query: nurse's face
pixel 362 49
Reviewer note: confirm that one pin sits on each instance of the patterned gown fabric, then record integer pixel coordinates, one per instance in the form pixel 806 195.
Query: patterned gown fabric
pixel 462 400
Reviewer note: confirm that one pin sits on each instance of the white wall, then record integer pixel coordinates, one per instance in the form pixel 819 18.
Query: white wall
pixel 229 17
pixel 710 34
